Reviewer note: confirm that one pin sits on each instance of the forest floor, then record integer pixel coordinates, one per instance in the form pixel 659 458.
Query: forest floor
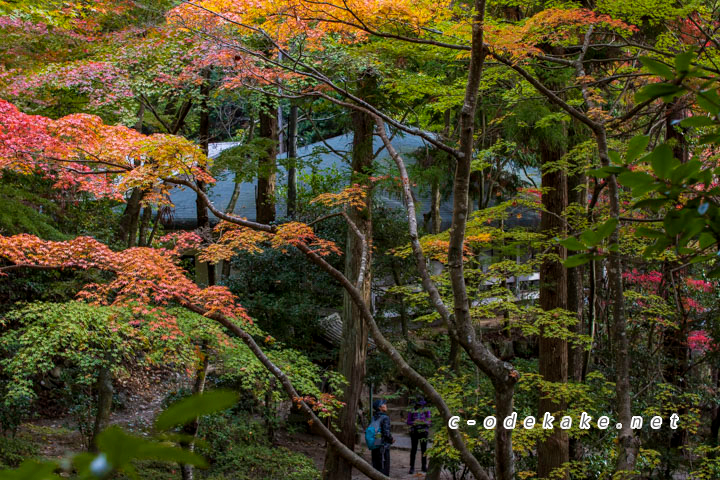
pixel 57 436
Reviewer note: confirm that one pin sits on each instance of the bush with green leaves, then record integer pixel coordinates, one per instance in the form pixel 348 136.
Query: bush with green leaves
pixel 285 301
pixel 236 446
pixel 252 462
pixel 61 348
pixel 119 452
pixel 14 449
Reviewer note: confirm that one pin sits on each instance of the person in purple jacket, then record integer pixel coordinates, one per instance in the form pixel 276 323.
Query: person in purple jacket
pixel 419 421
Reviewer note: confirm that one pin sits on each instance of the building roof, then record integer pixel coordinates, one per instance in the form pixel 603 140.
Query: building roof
pixel 331 327
pixel 333 153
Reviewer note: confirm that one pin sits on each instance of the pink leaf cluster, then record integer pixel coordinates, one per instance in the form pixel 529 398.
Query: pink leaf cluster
pixel 699 341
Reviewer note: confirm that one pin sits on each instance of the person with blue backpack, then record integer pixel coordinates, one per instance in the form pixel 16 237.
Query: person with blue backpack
pixel 379 437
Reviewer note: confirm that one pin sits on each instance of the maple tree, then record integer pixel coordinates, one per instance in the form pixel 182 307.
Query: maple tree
pixel 159 282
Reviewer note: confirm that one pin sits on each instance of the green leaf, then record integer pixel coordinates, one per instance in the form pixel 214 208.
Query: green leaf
pixel 705 240
pixel 653 204
pixel 572 243
pixel 635 179
pixel 660 245
pixel 673 224
pixel 590 238
pixel 636 146
pixel 190 408
pixel 684 171
pixel 697 121
pixel 32 470
pixel 649 233
pixel 121 448
pixel 657 90
pixel 709 138
pixel 658 68
pixel 663 161
pixel 598 173
pixel 605 171
pixel 682 62
pixel 607 228
pixel 691 229
pixel 577 260
pixel 709 101
pixel 701 259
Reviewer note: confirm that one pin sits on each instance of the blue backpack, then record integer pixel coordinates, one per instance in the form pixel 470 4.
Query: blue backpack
pixel 373 436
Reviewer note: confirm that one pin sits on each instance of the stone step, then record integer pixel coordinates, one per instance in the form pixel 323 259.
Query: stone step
pixel 397 414
pixel 400 427
pixel 393 402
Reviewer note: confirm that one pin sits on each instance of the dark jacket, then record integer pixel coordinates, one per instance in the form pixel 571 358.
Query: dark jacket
pixel 385 432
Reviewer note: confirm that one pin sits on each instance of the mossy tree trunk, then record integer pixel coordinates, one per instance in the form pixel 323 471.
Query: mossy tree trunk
pixel 353 351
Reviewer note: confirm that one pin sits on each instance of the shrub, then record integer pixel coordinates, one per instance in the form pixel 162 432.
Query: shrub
pixel 15 449
pixel 255 461
pixel 238 449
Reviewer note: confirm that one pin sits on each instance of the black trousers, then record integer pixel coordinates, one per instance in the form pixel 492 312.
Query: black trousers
pixel 416 437
pixel 381 459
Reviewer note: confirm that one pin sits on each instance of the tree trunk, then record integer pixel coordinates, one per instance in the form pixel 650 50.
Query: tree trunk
pixel 270 412
pixel 225 265
pixel 203 219
pixel 715 411
pixel 181 116
pixel 191 429
pixel 504 459
pixel 144 225
pixel 265 201
pixel 675 339
pixel 627 443
pixel 454 355
pixel 674 114
pixel 353 350
pixel 130 218
pixel 104 388
pixel 435 218
pixel 575 290
pixel 292 155
pixel 576 303
pixel 434 469
pixel 203 222
pixel 232 203
pixel 156 223
pixel 404 321
pixel 553 451
pixel 502 374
